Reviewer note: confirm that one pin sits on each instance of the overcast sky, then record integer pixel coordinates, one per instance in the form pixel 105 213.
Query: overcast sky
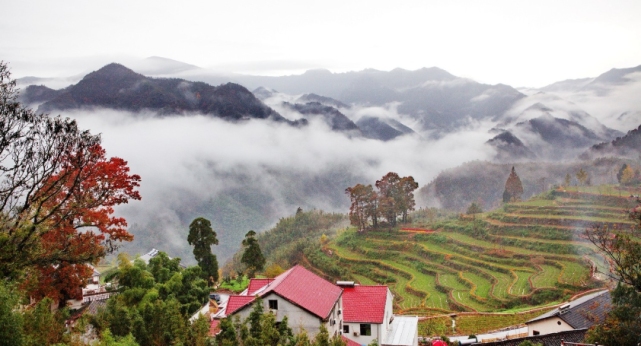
pixel 519 43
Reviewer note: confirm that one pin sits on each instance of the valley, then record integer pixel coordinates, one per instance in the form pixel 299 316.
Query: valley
pixel 494 269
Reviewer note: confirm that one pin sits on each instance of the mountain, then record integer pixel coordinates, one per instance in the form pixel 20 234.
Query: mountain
pixel 330 115
pixel 509 148
pixel 546 126
pixel 615 76
pixel 327 101
pixel 155 65
pixel 483 182
pixel 626 146
pixel 434 98
pixel 611 97
pixel 545 138
pixel 117 87
pixel 382 129
pixel 38 94
pixel 264 93
pixel 559 133
pixel 567 85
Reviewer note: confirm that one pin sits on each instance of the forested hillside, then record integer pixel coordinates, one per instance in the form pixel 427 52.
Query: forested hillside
pixel 296 240
pixel 483 182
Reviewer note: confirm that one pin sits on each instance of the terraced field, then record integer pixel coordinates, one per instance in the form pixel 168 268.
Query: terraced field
pixel 527 255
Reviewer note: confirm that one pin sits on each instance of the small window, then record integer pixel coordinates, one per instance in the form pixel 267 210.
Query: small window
pixel 345 329
pixel 366 329
pixel 558 322
pixel 273 304
pixel 536 332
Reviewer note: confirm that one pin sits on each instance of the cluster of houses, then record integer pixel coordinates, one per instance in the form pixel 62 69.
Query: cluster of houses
pixel 360 314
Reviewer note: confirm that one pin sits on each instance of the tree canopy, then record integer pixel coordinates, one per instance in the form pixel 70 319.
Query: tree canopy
pixel 252 257
pixel 394 198
pixel 202 237
pixel 154 302
pixel 513 188
pixel 58 190
pixel 622 248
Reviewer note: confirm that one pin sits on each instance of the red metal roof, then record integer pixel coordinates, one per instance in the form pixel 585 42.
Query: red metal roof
pixel 236 302
pixel 306 289
pixel 364 304
pixel 350 342
pixel 299 286
pixel 214 327
pixel 256 284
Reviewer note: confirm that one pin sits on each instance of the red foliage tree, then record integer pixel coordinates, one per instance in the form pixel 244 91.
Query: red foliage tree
pixel 395 197
pixel 363 205
pixel 80 227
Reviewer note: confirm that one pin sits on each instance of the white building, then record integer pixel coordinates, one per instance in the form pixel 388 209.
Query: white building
pixel 577 314
pixel 360 314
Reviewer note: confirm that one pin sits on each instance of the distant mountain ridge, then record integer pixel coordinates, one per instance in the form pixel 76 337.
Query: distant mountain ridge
pixel 117 87
pixel 625 146
pixel 435 98
pixel 330 115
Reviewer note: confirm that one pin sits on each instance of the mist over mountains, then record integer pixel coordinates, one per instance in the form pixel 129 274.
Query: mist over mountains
pixel 205 145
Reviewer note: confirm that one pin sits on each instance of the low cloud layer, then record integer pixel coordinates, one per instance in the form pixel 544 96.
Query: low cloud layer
pixel 195 164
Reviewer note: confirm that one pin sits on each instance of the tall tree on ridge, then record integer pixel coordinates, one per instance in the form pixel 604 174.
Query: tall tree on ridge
pixel 581 176
pixel 252 256
pixel 202 237
pixel 407 202
pixel 513 188
pixel 390 195
pixel 363 205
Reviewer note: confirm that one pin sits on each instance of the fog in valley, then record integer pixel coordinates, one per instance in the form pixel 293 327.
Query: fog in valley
pixel 248 175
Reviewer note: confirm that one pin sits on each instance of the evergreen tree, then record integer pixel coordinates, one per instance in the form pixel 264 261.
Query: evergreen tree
pixel 10 318
pixel 513 188
pixel 252 258
pixel 474 209
pixel 227 336
pixel 620 172
pixel 255 319
pixel 202 237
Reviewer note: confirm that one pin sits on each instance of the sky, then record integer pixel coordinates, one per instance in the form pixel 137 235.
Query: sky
pixel 520 43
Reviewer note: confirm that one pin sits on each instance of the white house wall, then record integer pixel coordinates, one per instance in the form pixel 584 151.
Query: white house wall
pixel 389 312
pixel 547 326
pixel 363 339
pixel 298 318
pixel 379 331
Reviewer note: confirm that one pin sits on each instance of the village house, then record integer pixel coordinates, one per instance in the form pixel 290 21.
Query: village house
pixel 358 313
pixel 581 313
pixel 306 299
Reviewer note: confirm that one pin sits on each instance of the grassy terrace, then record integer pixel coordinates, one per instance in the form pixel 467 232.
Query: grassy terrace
pixel 527 255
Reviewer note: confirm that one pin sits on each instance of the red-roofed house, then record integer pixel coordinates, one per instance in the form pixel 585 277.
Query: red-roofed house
pixel 367 312
pixel 350 342
pixel 358 313
pixel 257 284
pixel 305 298
pixel 214 327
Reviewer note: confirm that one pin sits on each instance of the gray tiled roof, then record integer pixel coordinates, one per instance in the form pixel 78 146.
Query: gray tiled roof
pixel 583 312
pixel 96 305
pixel 553 339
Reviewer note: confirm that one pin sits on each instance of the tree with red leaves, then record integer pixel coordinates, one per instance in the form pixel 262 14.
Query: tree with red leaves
pixel 395 196
pixel 57 193
pixel 363 207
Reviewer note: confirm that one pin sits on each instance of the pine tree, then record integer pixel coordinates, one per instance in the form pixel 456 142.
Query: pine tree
pixel 252 257
pixel 513 188
pixel 202 237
